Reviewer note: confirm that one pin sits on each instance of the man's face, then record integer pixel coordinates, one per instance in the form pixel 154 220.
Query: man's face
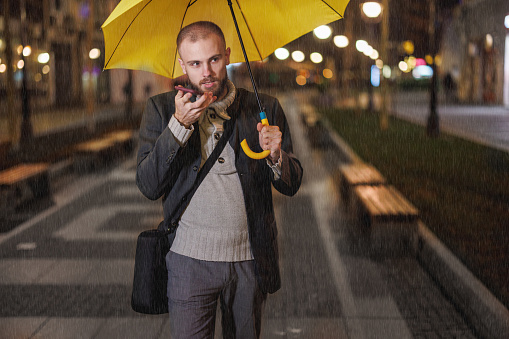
pixel 204 62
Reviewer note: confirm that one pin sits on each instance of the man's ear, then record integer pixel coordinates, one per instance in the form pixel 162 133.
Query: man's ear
pixel 181 62
pixel 227 55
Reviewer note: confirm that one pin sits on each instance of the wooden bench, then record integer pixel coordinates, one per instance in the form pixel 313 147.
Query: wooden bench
pixel 352 175
pixel 91 154
pixel 94 153
pixel 23 183
pixel 123 140
pixel 391 219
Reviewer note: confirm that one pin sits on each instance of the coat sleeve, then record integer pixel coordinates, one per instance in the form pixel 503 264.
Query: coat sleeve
pixel 158 153
pixel 291 169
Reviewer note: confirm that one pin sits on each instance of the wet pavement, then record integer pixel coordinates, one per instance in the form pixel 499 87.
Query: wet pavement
pixel 66 272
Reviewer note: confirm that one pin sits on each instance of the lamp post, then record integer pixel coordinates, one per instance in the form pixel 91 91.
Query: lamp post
pixel 374 12
pixel 13 131
pixel 26 126
pixel 433 127
pixel 384 119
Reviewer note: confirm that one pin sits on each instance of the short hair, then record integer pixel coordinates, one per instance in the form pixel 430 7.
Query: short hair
pixel 199 30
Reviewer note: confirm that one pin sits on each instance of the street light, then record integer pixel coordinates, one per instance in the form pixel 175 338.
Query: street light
pixel 372 9
pixel 374 12
pixel 371 14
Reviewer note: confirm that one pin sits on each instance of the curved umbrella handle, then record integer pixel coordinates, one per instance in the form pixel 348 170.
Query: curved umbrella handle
pixel 247 150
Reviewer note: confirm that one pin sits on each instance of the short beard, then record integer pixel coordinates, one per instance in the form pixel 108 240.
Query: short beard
pixel 217 93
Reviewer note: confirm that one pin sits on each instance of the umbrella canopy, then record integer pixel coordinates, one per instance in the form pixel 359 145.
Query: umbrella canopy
pixel 141 34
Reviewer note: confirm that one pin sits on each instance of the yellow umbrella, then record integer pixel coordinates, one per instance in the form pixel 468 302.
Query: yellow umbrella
pixel 141 34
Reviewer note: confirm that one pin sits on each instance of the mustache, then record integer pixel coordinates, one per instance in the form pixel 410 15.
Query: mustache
pixel 211 79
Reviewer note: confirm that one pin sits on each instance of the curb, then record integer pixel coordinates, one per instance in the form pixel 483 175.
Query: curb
pixel 484 312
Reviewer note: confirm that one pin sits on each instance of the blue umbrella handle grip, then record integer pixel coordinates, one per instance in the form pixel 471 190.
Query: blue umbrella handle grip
pixel 247 150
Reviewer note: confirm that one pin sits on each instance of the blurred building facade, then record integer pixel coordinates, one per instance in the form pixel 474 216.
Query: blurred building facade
pixel 66 53
pixel 475 52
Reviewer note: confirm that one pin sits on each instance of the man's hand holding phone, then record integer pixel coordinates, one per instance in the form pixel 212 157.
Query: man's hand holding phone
pixel 188 112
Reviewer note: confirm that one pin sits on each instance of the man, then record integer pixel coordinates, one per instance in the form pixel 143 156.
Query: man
pixel 225 245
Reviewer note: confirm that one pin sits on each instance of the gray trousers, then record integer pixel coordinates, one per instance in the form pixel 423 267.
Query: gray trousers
pixel 194 288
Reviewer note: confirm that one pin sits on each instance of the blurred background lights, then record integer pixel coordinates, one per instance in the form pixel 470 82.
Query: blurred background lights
pixel 429 59
pixel 21 64
pixel 423 71
pixel 316 57
pixel 403 66
pixel 19 49
pixel 27 51
pixel 298 56
pixel 489 41
pixel 282 53
pixel 374 54
pixel 94 53
pixel 301 80
pixel 322 32
pixel 45 69
pixel 3 68
pixel 361 45
pixel 379 63
pixel 372 9
pixel 412 62
pixel 408 47
pixel 375 76
pixel 327 73
pixel 506 21
pixel 386 71
pixel 341 41
pixel 367 50
pixel 420 62
pixel 438 60
pixel 43 58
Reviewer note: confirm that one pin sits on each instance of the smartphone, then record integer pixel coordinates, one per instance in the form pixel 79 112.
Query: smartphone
pixel 186 90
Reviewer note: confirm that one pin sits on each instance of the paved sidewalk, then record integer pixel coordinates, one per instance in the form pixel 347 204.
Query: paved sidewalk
pixel 67 272
pixel 487 125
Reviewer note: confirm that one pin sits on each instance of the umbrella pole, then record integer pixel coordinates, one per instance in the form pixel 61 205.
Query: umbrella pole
pixel 245 57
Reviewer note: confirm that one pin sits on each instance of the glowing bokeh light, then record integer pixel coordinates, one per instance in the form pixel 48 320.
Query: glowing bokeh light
pixel 94 53
pixel 282 53
pixel 298 56
pixel 27 51
pixel 341 41
pixel 316 57
pixel 372 9
pixel 322 32
pixel 361 45
pixel 43 58
pixel 403 66
pixel 301 80
pixel 327 73
pixel 386 71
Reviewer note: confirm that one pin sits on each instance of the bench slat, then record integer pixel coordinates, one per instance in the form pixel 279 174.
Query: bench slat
pixel 22 172
pixel 361 174
pixel 385 202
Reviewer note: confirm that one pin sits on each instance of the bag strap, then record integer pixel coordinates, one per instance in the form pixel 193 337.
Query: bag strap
pixel 228 130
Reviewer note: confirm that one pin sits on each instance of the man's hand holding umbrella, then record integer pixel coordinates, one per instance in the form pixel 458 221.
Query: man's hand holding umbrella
pixel 270 139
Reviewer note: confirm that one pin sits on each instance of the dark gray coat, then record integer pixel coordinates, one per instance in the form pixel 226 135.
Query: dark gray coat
pixel 167 170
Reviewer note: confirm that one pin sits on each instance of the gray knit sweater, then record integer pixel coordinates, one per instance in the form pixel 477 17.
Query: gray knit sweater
pixel 214 224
